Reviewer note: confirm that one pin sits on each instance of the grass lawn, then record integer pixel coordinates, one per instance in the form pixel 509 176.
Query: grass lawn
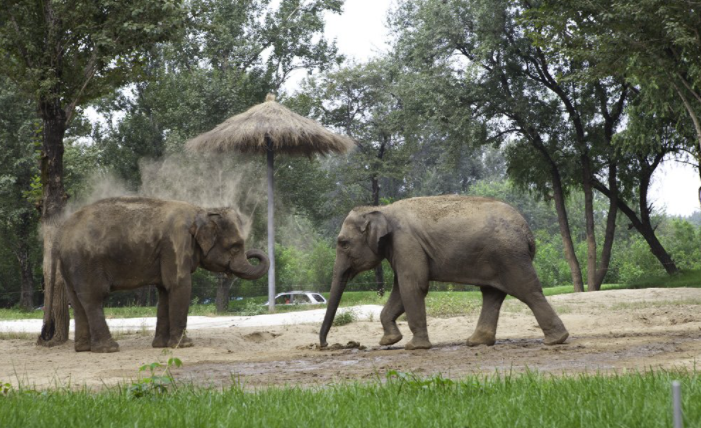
pixel 400 400
pixel 438 303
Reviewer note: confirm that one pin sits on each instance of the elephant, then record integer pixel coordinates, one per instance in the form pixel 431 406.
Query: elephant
pixel 129 242
pixel 461 239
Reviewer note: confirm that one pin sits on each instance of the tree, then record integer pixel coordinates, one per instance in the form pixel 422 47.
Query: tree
pixel 655 44
pixel 63 54
pixel 558 133
pixel 655 47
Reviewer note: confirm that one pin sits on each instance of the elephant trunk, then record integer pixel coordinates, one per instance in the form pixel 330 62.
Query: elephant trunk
pixel 246 270
pixel 340 279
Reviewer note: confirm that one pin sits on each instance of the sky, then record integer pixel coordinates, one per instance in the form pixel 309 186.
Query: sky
pixel 360 34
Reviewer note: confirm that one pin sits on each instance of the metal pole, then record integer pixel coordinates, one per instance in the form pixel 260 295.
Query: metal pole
pixel 677 404
pixel 271 228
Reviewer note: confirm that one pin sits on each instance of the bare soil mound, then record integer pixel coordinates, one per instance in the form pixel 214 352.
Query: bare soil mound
pixel 609 331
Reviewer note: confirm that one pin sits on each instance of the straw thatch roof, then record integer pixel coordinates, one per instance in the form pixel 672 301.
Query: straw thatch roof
pixel 289 133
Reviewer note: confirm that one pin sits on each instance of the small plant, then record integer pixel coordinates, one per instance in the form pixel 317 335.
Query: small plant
pixel 158 382
pixel 345 317
pixel 5 389
pixel 253 308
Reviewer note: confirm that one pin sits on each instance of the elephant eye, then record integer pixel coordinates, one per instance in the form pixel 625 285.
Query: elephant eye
pixel 344 244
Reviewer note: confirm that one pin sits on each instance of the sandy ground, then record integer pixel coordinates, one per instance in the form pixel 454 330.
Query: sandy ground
pixel 609 331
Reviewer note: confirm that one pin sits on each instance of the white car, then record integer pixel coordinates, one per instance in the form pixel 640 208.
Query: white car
pixel 299 298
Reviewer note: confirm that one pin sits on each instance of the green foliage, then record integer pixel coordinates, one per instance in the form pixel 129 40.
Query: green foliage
pixel 684 244
pixel 653 43
pixel 20 134
pixel 254 307
pixel 69 52
pixel 451 304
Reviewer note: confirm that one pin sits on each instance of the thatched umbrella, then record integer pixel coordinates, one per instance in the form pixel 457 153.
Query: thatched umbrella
pixel 270 128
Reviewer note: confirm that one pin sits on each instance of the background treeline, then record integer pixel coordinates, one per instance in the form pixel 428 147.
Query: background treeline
pixel 534 103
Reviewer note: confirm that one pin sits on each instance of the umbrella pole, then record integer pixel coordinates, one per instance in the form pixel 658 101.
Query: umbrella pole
pixel 271 229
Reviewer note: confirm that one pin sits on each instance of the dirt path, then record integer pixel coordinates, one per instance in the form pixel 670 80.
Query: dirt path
pixel 609 330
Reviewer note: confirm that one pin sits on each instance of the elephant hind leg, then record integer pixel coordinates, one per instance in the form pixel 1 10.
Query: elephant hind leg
pixel 392 310
pixel 100 337
pixel 529 290
pixel 486 330
pixel 82 328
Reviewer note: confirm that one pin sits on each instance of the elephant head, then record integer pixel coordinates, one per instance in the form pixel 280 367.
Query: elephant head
pixel 219 238
pixel 361 246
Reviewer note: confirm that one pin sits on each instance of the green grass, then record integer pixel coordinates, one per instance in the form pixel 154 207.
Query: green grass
pixel 519 400
pixel 438 303
pixel 688 279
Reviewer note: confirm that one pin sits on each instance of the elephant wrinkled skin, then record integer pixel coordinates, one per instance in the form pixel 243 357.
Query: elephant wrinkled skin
pixel 461 239
pixel 129 242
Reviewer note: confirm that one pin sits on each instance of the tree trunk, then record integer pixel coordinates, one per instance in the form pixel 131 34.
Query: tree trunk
pixel 644 227
pixel 224 283
pixel 589 221
pixel 565 233
pixel 610 230
pixel 56 315
pixel 24 235
pixel 379 272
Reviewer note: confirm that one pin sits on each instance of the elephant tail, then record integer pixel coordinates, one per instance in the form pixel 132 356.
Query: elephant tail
pixel 531 243
pixel 49 328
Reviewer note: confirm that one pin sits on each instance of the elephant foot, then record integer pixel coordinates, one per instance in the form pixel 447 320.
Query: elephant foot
pixel 390 339
pixel 181 342
pixel 418 343
pixel 105 347
pixel 556 339
pixel 481 339
pixel 160 342
pixel 82 346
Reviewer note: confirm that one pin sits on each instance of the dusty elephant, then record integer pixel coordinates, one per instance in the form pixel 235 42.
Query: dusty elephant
pixel 469 240
pixel 129 242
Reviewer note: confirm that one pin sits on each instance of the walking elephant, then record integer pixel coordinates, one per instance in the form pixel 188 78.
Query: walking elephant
pixel 469 240
pixel 129 242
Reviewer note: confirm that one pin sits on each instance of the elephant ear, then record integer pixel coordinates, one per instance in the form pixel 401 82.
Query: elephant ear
pixel 205 230
pixel 376 229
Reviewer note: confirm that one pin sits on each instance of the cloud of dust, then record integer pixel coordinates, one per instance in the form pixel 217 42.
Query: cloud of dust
pixel 100 185
pixel 206 181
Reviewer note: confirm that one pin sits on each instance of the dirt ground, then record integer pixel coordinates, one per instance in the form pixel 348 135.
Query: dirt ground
pixel 609 331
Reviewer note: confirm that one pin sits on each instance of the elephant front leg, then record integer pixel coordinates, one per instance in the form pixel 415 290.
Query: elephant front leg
pixel 486 330
pixel 178 304
pixel 162 320
pixel 392 310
